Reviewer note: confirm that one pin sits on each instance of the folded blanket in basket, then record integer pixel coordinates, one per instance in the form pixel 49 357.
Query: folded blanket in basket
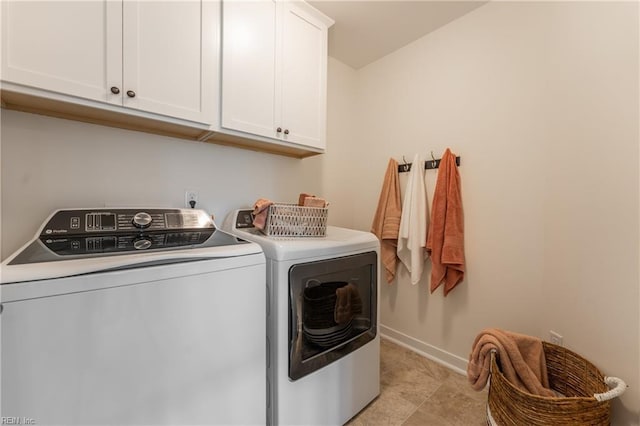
pixel 308 200
pixel 520 357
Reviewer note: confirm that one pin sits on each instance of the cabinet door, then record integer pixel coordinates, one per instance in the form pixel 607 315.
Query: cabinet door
pixel 70 47
pixel 303 70
pixel 169 61
pixel 248 67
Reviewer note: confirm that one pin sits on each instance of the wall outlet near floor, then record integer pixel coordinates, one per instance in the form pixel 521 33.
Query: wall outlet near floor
pixel 190 197
pixel 555 338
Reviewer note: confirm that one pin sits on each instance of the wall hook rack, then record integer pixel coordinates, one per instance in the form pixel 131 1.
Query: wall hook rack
pixel 428 165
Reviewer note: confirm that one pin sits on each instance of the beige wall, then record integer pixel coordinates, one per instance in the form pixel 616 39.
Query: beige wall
pixel 541 102
pixel 342 153
pixel 49 163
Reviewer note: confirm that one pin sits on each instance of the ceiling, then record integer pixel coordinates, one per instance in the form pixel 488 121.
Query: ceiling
pixel 367 30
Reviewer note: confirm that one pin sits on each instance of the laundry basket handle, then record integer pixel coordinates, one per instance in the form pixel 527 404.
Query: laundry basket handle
pixel 618 386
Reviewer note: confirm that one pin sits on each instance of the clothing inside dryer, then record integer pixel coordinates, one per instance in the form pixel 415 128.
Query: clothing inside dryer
pixel 332 310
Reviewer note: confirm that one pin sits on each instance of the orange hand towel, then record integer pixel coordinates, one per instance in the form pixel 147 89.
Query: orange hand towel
pixel 445 241
pixel 520 357
pixel 386 222
pixel 260 211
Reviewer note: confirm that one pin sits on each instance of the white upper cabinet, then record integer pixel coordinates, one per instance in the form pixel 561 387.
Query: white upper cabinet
pixel 169 57
pixel 248 67
pixel 303 82
pixel 158 57
pixel 274 65
pixel 71 47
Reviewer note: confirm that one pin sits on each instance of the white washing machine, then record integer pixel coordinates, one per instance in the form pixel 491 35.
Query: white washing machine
pixel 324 347
pixel 129 317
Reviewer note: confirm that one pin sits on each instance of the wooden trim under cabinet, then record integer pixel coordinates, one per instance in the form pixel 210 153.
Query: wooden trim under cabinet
pixel 71 111
pixel 260 145
pixel 34 104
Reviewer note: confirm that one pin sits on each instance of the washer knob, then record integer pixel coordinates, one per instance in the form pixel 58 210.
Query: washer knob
pixel 142 243
pixel 141 220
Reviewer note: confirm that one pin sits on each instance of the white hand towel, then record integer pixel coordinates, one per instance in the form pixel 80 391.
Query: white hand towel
pixel 412 237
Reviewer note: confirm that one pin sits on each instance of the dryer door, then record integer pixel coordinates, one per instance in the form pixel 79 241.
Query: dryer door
pixel 332 310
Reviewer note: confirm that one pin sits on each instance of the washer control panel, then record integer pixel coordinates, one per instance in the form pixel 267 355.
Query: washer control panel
pixel 76 232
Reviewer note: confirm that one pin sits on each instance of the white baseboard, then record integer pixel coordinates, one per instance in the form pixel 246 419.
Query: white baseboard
pixel 447 359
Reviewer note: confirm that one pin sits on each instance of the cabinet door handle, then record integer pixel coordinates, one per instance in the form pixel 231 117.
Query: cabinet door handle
pixel 131 93
pixel 279 129
pixel 286 131
pixel 115 90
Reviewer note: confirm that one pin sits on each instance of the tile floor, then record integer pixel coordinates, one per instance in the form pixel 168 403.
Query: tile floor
pixel 415 391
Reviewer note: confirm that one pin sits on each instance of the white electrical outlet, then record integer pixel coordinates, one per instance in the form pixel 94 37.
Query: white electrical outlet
pixel 189 197
pixel 555 338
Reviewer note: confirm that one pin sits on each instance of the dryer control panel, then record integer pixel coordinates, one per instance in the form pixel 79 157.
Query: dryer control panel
pixel 244 219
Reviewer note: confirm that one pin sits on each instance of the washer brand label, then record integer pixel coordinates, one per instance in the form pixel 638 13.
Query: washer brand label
pixel 57 240
pixel 55 231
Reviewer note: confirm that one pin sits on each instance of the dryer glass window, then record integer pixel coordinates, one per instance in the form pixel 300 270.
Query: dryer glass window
pixel 332 310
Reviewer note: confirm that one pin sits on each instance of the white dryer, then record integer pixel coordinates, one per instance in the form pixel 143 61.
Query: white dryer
pixel 322 329
pixel 128 317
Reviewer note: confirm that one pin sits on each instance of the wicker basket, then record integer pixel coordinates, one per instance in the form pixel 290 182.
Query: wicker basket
pixel 586 393
pixel 292 220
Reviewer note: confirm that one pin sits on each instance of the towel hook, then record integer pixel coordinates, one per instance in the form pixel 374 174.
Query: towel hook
pixel 434 163
pixel 405 167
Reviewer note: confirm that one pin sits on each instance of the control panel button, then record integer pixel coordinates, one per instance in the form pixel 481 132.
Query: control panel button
pixel 142 220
